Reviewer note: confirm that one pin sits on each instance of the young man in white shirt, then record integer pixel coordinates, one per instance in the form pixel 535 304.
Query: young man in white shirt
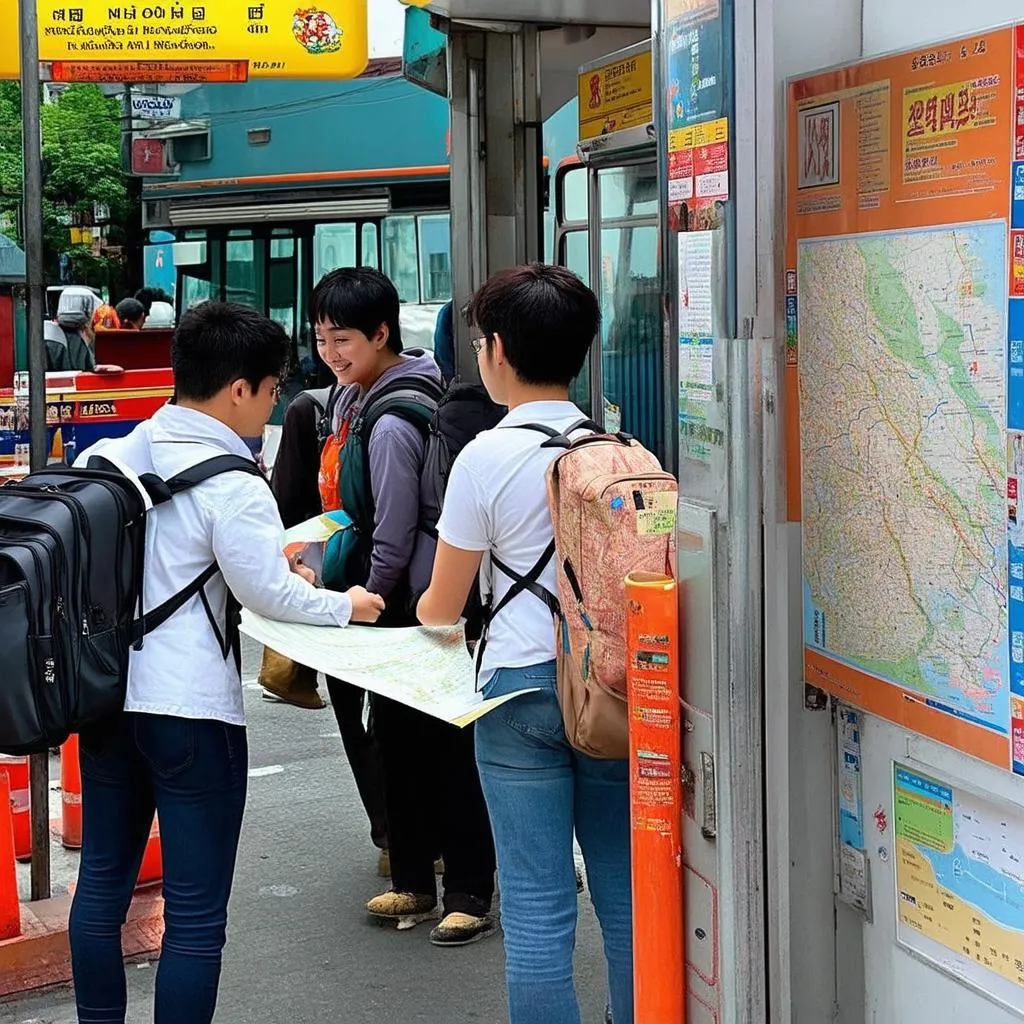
pixel 536 325
pixel 180 747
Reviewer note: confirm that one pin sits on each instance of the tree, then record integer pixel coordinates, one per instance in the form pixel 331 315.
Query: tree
pixel 81 166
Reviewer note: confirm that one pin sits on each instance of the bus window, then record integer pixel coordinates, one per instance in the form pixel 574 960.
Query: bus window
pixel 368 254
pixel 334 245
pixel 400 256
pixel 572 195
pixel 435 247
pixel 243 271
pixel 284 280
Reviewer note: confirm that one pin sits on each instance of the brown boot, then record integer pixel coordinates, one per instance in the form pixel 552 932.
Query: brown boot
pixel 284 680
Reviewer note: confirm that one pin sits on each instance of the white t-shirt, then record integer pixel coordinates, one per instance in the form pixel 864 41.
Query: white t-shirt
pixel 496 501
pixel 232 520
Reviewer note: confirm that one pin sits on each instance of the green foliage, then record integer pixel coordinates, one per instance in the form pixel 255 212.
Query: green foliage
pixel 81 166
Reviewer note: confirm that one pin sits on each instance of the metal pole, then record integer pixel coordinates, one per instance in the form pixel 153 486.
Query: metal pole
pixel 32 218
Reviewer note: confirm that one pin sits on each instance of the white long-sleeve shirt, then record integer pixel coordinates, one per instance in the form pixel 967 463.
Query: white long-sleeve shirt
pixel 231 519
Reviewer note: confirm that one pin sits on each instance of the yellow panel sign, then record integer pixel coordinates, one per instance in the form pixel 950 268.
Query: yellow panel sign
pixel 697 135
pixel 314 39
pixel 616 96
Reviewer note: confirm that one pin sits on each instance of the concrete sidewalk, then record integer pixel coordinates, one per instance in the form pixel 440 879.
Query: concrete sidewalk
pixel 300 947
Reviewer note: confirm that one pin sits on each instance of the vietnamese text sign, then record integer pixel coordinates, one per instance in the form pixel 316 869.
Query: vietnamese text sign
pixel 314 39
pixel 616 96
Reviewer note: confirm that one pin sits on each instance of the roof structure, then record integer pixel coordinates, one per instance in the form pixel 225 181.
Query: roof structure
pixel 12 262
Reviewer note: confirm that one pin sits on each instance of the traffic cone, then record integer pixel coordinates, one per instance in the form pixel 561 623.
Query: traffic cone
pixel 151 871
pixel 71 795
pixel 17 771
pixel 10 908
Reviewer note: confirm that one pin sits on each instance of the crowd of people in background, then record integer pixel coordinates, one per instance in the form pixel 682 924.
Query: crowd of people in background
pixel 71 334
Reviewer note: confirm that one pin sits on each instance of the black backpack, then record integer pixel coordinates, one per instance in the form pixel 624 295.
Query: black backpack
pixel 465 411
pixel 72 552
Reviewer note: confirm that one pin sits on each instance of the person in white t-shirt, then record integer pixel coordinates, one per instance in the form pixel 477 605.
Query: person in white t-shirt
pixel 536 325
pixel 180 746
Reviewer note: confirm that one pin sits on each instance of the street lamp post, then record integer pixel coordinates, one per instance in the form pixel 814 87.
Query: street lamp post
pixel 32 219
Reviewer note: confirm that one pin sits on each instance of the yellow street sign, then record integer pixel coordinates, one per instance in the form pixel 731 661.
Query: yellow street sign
pixel 616 96
pixel 195 40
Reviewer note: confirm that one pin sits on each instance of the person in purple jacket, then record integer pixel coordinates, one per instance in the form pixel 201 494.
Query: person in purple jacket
pixel 432 792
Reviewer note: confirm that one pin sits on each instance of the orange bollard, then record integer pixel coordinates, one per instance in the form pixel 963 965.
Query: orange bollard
pixel 71 795
pixel 10 907
pixel 16 769
pixel 151 871
pixel 656 797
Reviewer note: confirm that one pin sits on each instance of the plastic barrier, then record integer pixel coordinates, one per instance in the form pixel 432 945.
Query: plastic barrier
pixel 656 807
pixel 70 795
pixel 10 908
pixel 152 870
pixel 16 769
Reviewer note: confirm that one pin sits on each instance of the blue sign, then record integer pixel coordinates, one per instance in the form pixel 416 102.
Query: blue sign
pixel 1015 366
pixel 1017 208
pixel 695 72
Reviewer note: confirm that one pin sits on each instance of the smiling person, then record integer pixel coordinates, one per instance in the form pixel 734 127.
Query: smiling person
pixel 371 467
pixel 180 746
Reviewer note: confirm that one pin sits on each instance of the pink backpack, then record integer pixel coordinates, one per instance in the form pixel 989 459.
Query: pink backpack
pixel 614 512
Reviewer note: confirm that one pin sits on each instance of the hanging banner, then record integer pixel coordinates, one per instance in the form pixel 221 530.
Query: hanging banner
pixel 899 276
pixel 196 41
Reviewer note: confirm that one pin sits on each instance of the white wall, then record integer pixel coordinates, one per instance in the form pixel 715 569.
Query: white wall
pixel 901 24
pixel 808 979
pixel 387 22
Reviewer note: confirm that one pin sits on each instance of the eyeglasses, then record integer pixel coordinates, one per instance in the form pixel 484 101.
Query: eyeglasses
pixel 478 344
pixel 275 391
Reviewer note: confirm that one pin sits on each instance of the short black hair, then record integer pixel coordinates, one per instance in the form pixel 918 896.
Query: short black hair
pixel 217 343
pixel 546 316
pixel 360 299
pixel 131 310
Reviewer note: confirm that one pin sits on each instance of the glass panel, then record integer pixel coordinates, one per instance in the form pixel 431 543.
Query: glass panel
pixel 193 291
pixel 575 255
pixel 574 202
pixel 334 245
pixel 400 262
pixel 435 257
pixel 369 255
pixel 631 334
pixel 425 53
pixel 629 191
pixel 243 272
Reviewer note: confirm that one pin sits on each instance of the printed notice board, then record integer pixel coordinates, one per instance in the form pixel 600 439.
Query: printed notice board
pixel 960 883
pixel 903 375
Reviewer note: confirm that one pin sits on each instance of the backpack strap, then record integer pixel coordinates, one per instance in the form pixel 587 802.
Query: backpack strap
pixel 557 439
pixel 325 421
pixel 520 585
pixel 416 404
pixel 530 582
pixel 162 491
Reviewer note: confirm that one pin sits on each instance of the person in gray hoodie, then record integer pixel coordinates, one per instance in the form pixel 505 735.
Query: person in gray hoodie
pixel 432 793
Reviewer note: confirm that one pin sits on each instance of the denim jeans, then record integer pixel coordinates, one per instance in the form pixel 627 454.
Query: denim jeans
pixel 195 775
pixel 539 790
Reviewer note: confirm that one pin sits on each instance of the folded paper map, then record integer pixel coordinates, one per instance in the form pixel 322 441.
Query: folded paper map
pixel 427 669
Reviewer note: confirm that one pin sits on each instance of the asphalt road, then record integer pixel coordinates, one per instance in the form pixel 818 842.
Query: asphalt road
pixel 300 948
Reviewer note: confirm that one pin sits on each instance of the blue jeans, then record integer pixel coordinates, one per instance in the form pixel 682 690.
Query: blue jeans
pixel 539 790
pixel 195 775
